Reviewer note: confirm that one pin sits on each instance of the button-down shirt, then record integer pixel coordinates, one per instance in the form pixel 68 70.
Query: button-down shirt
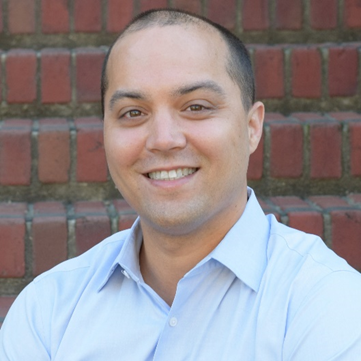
pixel 266 292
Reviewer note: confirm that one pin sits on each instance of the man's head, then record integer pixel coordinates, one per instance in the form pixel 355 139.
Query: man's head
pixel 176 132
pixel 237 60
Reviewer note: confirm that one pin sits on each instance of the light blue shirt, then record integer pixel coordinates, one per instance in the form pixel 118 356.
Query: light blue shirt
pixel 267 292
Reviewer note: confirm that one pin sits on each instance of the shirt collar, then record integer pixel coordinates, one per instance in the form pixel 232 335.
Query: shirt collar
pixel 243 250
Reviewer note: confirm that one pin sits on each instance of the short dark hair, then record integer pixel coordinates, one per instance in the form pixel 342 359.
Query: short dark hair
pixel 238 64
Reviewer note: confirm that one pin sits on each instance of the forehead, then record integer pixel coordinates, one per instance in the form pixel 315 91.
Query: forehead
pixel 167 51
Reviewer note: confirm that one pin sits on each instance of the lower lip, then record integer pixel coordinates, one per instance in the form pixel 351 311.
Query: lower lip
pixel 171 183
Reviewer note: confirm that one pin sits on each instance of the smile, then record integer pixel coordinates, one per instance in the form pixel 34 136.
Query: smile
pixel 172 174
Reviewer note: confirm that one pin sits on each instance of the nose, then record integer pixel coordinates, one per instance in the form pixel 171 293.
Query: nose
pixel 165 133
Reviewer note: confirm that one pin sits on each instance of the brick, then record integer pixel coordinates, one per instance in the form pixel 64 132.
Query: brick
pixel 286 151
pixel 87 16
pixel 1 81
pixel 288 14
pixel 126 221
pixel 5 304
pixel 355 145
pixel 342 71
pixel 88 72
pixel 223 13
pixel 193 6
pixel 341 116
pixel 21 16
pixel 323 14
pixel 92 225
pixel 307 221
pixel 309 116
pixel 355 198
pixel 346 230
pixel 255 15
pixel 119 13
pixel 306 73
pixel 50 236
pixel 54 16
pixel 122 207
pixel 15 152
pixel 289 202
pixel 12 240
pixel 255 167
pixel 326 145
pixel 91 162
pixel 21 76
pixel 269 72
pixel 55 76
pixel 152 4
pixel 327 202
pixel 54 151
pixel 352 13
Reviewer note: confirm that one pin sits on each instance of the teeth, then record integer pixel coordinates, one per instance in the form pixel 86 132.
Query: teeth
pixel 172 174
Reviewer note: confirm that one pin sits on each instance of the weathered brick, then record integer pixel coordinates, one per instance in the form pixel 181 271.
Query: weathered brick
pixel 87 16
pixel 88 73
pixel 91 162
pixel 1 75
pixel 15 152
pixel 12 240
pixel 21 16
pixel 289 202
pixel 352 13
pixel 307 221
pixel 270 117
pixel 21 76
pixel 355 145
pixel 346 230
pixel 269 72
pixel 286 150
pixel 126 221
pixel 92 225
pixel 327 202
pixel 193 6
pixel 54 16
pixel 50 235
pixel 288 14
pixel 326 144
pixel 55 76
pixel 152 4
pixel 5 303
pixel 119 13
pixel 306 73
pixel 255 167
pixel 342 71
pixel 223 12
pixel 54 151
pixel 255 15
pixel 323 14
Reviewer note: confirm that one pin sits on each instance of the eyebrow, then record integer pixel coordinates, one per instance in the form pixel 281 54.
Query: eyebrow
pixel 208 85
pixel 121 94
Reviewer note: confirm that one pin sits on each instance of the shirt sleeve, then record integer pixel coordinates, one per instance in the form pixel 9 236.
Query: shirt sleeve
pixel 22 333
pixel 327 324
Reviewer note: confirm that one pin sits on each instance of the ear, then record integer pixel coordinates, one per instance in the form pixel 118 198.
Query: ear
pixel 255 125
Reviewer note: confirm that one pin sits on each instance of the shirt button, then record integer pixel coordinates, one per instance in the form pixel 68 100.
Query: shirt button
pixel 173 322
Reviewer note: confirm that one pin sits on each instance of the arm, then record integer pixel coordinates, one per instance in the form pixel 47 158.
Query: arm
pixel 22 334
pixel 327 324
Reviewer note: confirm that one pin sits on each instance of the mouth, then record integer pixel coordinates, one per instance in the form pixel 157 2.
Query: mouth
pixel 173 174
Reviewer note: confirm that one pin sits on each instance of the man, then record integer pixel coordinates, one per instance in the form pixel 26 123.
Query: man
pixel 203 274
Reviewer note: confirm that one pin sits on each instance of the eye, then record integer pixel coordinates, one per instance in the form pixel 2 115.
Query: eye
pixel 132 114
pixel 197 107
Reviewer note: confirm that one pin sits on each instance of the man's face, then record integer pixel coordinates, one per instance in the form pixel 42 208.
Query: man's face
pixel 177 138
